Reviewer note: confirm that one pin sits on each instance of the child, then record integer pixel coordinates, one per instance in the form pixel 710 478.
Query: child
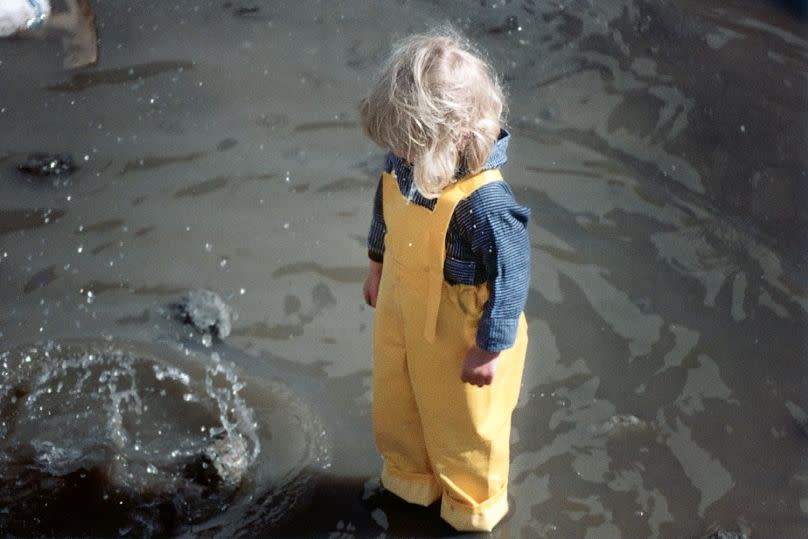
pixel 449 274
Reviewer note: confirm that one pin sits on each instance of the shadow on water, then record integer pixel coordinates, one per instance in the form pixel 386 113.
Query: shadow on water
pixel 40 279
pixel 203 188
pixel 797 7
pixel 101 227
pixel 339 274
pixel 345 507
pixel 323 126
pixel 219 183
pixel 154 162
pixel 119 75
pixel 14 219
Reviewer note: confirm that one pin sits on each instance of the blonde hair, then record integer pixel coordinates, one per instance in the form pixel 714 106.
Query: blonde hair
pixel 437 103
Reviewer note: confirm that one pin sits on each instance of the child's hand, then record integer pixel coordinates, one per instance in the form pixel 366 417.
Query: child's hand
pixel 371 287
pixel 479 367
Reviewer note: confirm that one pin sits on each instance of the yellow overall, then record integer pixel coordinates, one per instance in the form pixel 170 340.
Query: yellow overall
pixel 439 437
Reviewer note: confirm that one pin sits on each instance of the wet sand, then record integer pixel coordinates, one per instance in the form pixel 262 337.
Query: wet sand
pixel 660 149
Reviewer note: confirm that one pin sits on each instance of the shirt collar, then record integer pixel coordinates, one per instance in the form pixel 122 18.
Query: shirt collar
pixel 499 153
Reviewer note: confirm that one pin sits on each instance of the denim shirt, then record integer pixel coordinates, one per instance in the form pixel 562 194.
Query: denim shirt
pixel 486 242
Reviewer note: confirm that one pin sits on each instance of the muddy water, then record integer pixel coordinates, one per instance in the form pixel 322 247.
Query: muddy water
pixel 661 150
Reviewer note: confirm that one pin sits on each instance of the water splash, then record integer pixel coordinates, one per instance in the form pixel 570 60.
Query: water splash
pixel 153 441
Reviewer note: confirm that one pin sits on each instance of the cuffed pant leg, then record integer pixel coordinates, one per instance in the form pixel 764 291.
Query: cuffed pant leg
pixel 396 421
pixel 467 431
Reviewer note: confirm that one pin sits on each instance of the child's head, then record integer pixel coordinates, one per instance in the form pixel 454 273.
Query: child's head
pixel 436 104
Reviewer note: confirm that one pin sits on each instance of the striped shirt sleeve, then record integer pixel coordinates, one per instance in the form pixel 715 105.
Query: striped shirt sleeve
pixel 496 227
pixel 377 227
pixel 378 230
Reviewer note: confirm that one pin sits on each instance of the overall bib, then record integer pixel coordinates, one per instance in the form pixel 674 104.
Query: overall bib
pixel 439 437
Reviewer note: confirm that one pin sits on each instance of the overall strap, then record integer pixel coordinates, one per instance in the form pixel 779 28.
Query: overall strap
pixel 442 215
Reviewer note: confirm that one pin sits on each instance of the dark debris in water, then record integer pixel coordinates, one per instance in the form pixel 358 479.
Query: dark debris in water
pixel 226 144
pixel 242 11
pixel 46 165
pixel 246 11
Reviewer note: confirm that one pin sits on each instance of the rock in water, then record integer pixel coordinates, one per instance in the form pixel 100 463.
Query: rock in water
pixel 42 164
pixel 207 312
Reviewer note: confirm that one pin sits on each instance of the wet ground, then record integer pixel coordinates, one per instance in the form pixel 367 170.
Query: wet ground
pixel 660 147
